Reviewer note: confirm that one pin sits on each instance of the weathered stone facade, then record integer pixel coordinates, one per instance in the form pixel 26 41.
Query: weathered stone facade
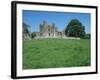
pixel 49 31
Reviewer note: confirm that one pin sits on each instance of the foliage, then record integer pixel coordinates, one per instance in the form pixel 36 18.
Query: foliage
pixel 87 36
pixel 75 29
pixel 25 28
pixel 26 32
pixel 33 35
pixel 53 53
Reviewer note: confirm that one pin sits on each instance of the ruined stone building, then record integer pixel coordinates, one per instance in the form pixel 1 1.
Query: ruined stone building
pixel 48 31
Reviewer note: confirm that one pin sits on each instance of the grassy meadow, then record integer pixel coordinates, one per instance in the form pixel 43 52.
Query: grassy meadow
pixel 55 53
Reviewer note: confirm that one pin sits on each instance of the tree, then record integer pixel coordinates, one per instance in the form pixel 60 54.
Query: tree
pixel 26 33
pixel 87 36
pixel 33 35
pixel 25 28
pixel 75 29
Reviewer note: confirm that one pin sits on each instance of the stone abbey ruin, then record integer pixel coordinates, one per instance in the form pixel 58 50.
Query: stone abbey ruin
pixel 49 31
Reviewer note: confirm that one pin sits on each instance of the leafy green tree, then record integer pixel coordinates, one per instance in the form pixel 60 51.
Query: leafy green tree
pixel 26 32
pixel 33 35
pixel 87 36
pixel 25 28
pixel 75 29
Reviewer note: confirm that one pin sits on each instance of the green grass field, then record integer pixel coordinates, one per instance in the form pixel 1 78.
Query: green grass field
pixel 54 53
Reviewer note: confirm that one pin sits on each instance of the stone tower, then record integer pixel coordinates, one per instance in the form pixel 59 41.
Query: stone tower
pixel 47 31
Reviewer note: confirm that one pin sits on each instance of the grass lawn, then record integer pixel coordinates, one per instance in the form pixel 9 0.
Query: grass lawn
pixel 54 53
